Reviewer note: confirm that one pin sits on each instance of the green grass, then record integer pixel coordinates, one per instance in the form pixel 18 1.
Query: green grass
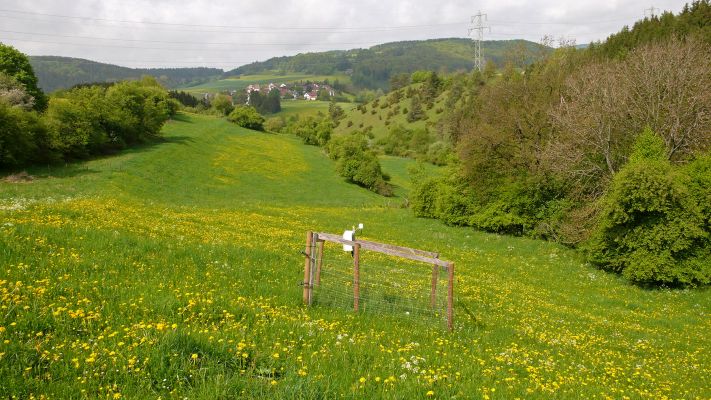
pixel 173 271
pixel 243 81
pixel 379 120
pixel 305 108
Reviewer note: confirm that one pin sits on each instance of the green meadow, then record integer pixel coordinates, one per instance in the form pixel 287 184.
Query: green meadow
pixel 174 270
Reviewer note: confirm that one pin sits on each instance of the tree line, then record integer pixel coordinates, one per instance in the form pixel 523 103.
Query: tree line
pixel 76 123
pixel 608 152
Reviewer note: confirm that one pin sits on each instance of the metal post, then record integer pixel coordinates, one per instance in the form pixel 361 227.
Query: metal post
pixel 312 270
pixel 450 297
pixel 320 262
pixel 433 292
pixel 307 267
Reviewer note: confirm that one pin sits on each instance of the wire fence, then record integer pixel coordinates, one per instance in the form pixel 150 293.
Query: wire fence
pixel 388 285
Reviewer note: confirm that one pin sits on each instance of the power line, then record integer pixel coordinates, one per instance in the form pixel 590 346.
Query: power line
pixel 305 31
pixel 231 26
pixel 177 42
pixel 172 49
pixel 573 23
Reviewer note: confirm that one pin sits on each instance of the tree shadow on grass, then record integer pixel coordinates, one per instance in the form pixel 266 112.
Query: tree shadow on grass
pixel 75 168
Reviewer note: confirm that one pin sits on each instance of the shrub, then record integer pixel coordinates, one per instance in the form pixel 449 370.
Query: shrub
pixel 137 109
pixel 222 104
pixel 18 135
pixel 247 117
pixel 312 131
pixel 423 198
pixel 274 124
pixel 358 164
pixel 654 227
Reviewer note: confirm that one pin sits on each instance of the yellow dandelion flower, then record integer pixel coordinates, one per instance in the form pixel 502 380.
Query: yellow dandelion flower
pixel 430 393
pixel 194 356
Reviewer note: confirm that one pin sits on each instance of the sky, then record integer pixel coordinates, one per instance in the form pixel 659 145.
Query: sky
pixel 227 34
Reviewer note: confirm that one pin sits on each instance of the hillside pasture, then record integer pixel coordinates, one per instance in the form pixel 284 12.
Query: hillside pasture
pixel 173 271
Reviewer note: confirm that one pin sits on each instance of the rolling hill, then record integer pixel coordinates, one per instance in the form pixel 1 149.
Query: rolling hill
pixel 64 72
pixel 373 67
pixel 174 270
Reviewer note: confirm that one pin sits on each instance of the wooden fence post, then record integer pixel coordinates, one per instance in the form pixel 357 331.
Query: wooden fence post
pixel 356 276
pixel 307 267
pixel 320 262
pixel 450 297
pixel 433 292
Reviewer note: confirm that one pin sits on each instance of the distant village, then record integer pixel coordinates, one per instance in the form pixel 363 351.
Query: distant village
pixel 309 90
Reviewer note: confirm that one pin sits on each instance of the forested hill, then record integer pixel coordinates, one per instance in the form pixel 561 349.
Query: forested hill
pixel 373 67
pixel 64 72
pixel 693 21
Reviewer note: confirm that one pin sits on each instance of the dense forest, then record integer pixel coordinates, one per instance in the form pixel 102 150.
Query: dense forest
pixel 372 68
pixel 56 73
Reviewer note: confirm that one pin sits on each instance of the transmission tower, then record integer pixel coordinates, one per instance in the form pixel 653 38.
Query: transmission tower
pixel 650 12
pixel 477 29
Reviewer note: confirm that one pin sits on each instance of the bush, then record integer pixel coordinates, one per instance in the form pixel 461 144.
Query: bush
pixel 247 117
pixel 136 110
pixel 222 104
pixel 358 164
pixel 18 135
pixel 274 124
pixel 313 131
pixel 423 198
pixel 654 227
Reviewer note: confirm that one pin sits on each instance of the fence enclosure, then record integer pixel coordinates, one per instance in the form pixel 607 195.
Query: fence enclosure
pixel 313 267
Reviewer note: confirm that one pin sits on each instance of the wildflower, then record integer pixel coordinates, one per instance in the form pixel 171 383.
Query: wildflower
pixel 194 356
pixel 430 393
pixel 361 380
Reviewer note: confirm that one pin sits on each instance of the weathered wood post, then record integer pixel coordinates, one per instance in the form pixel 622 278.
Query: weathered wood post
pixel 307 267
pixel 356 276
pixel 450 297
pixel 320 261
pixel 433 291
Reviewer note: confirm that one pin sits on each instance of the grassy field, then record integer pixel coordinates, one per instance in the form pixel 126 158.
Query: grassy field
pixel 380 119
pixel 304 108
pixel 243 81
pixel 174 270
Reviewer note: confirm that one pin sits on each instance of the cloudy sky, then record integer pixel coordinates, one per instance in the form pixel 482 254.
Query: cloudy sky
pixel 226 34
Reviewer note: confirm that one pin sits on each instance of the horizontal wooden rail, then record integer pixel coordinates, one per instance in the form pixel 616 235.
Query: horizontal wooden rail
pixel 397 251
pixel 402 249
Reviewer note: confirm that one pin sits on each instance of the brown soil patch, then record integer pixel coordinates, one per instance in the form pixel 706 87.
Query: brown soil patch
pixel 20 177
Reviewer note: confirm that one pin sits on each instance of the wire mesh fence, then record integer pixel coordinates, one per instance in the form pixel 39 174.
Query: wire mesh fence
pixel 388 285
